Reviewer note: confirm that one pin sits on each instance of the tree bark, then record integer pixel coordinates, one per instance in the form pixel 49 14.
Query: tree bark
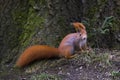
pixel 29 22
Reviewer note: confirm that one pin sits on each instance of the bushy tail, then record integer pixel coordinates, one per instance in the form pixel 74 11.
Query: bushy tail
pixel 36 52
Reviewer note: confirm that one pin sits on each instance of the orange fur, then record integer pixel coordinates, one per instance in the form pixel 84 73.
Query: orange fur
pixel 36 52
pixel 66 48
pixel 78 26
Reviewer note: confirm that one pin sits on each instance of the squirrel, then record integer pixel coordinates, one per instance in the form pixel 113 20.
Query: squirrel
pixel 66 49
pixel 80 28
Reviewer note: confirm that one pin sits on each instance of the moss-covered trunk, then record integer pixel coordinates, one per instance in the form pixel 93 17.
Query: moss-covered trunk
pixel 29 22
pixel 10 28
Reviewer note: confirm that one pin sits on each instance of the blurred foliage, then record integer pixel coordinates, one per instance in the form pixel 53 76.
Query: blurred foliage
pixel 107 33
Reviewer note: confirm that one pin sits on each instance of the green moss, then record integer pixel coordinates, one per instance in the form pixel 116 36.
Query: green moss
pixel 27 21
pixel 115 73
pixel 95 58
pixel 34 21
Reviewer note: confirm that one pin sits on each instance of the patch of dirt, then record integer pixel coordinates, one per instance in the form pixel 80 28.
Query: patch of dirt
pixel 99 64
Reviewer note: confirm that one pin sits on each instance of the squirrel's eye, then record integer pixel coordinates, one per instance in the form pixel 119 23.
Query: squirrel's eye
pixel 84 38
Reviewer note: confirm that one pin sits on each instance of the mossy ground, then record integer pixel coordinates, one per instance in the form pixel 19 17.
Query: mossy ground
pixel 98 64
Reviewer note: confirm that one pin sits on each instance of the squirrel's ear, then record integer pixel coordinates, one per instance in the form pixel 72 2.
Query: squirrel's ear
pixel 82 26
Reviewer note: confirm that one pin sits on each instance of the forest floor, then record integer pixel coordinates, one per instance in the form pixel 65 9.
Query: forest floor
pixel 99 64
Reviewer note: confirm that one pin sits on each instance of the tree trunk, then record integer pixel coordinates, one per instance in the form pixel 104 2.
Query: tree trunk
pixel 29 22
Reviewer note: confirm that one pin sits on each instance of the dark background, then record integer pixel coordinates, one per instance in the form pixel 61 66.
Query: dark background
pixel 28 22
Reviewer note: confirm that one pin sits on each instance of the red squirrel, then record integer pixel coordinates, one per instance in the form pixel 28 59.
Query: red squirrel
pixel 80 28
pixel 66 49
